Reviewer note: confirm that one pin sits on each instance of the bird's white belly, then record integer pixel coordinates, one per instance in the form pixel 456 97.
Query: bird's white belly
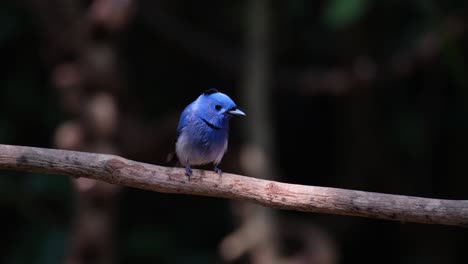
pixel 187 151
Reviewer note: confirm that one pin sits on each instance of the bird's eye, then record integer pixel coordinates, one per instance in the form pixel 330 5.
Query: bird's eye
pixel 218 107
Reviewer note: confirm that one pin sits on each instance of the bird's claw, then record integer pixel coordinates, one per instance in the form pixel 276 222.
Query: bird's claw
pixel 188 171
pixel 218 170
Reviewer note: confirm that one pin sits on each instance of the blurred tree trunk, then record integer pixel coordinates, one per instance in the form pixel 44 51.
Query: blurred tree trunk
pixel 85 75
pixel 256 235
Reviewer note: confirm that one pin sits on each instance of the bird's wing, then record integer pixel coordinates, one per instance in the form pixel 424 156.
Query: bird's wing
pixel 184 117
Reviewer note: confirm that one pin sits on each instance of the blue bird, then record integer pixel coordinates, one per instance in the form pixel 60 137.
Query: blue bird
pixel 202 133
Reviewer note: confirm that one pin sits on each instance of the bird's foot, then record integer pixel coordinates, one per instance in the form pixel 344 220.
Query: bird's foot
pixel 217 170
pixel 188 171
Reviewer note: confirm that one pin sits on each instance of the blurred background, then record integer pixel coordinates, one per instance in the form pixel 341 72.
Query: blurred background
pixel 355 94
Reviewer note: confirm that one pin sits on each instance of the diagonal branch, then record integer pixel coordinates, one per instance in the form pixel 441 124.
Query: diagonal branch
pixel 117 170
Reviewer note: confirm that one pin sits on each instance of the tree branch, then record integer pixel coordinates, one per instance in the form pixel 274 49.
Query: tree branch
pixel 117 170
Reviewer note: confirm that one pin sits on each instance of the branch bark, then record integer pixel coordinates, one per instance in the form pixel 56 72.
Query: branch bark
pixel 117 170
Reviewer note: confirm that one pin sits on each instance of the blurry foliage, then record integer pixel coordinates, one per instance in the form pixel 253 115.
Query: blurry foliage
pixel 36 210
pixel 397 134
pixel 341 13
pixel 28 109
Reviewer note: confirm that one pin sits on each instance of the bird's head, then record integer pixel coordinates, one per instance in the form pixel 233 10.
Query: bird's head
pixel 216 108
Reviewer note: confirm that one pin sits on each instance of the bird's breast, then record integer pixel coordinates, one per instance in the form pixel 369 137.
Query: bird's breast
pixel 201 144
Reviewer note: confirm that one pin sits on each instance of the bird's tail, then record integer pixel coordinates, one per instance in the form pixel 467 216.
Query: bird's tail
pixel 172 159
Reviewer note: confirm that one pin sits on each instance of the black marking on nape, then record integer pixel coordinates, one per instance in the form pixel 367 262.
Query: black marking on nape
pixel 210 125
pixel 210 91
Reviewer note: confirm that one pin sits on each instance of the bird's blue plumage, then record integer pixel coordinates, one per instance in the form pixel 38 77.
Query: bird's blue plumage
pixel 202 133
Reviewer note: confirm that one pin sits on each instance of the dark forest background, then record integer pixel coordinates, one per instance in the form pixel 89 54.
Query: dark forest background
pixel 355 94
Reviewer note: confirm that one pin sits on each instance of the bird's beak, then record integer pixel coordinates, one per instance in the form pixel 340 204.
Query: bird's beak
pixel 236 112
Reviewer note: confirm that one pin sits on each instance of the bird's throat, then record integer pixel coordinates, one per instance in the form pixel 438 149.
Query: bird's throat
pixel 210 124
